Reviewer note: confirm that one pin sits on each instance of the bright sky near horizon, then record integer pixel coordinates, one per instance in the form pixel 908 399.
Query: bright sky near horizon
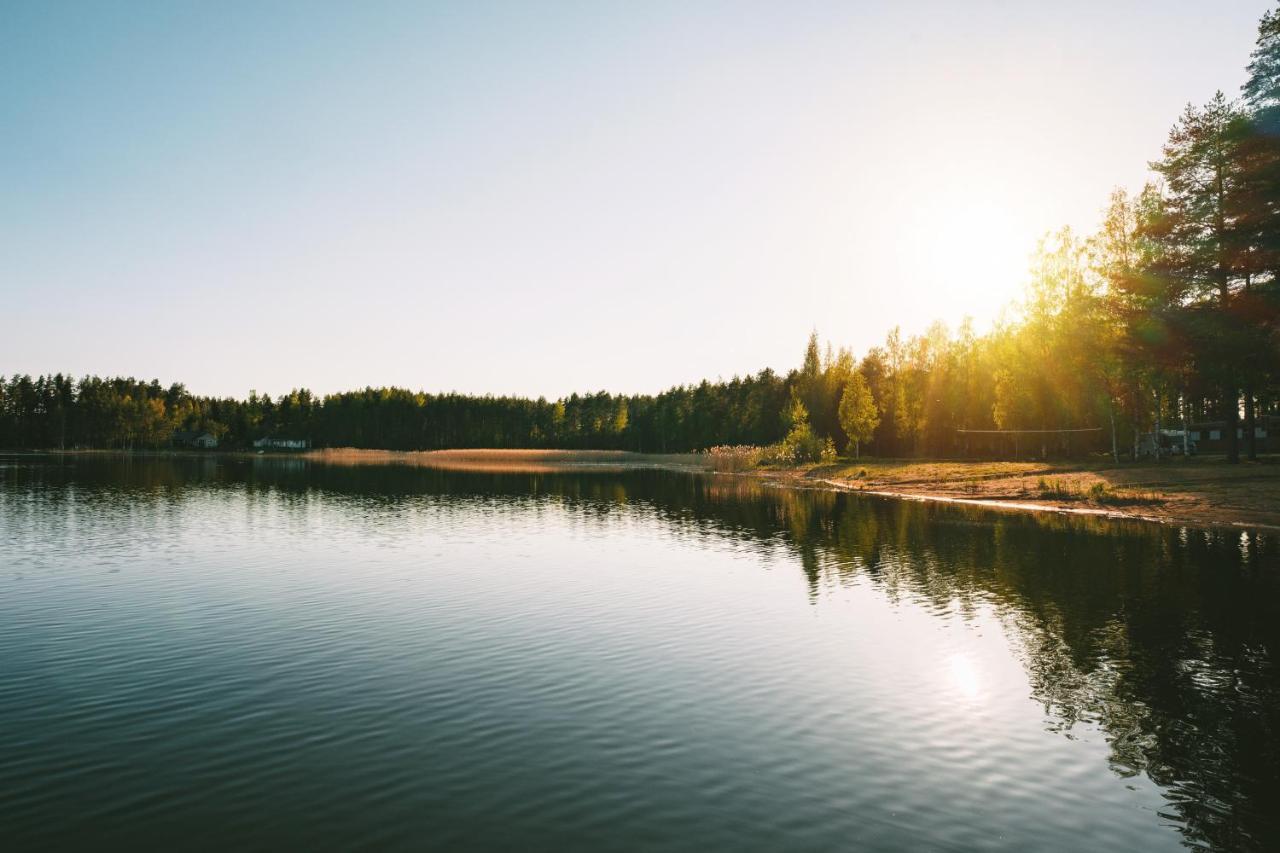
pixel 538 198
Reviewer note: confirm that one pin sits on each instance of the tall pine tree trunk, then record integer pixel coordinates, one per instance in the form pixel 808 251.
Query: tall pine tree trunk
pixel 1231 414
pixel 1157 433
pixel 1222 275
pixel 1250 420
pixel 1115 449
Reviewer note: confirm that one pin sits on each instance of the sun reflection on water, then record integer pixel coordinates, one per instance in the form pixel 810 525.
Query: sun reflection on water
pixel 964 676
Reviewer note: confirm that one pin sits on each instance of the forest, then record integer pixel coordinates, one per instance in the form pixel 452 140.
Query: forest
pixel 1168 314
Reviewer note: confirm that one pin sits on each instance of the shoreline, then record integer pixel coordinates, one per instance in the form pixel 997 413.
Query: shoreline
pixel 1202 491
pixel 511 461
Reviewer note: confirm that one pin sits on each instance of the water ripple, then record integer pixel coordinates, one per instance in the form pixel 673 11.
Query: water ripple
pixel 402 659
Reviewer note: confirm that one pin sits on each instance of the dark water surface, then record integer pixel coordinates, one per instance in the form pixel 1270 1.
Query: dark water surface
pixel 215 653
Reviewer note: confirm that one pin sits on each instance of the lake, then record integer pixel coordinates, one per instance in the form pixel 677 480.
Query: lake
pixel 224 652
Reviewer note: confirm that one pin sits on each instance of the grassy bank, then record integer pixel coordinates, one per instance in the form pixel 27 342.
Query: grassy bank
pixel 1202 490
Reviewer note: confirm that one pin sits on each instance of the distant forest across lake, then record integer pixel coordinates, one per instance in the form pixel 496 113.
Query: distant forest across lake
pixel 1169 314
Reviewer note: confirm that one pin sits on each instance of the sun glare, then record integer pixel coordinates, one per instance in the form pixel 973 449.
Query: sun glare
pixel 964 676
pixel 979 246
pixel 972 252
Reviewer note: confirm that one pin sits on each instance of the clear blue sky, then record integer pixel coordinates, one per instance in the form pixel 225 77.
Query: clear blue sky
pixel 537 198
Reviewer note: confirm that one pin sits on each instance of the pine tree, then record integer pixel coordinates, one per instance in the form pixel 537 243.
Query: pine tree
pixel 1203 171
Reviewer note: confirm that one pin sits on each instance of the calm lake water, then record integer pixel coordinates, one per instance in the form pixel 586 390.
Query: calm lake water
pixel 216 652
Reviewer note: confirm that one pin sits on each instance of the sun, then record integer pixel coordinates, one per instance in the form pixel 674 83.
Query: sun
pixel 969 254
pixel 979 243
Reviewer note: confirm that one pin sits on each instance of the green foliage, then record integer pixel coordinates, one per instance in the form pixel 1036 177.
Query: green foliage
pixel 119 413
pixel 858 414
pixel 801 444
pixel 828 454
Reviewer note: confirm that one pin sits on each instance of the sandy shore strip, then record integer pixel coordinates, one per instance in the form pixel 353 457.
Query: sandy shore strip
pixel 514 461
pixel 1199 491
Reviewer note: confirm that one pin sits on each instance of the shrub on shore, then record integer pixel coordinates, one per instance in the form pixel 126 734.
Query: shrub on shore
pixel 734 457
pixel 797 449
pixel 1098 493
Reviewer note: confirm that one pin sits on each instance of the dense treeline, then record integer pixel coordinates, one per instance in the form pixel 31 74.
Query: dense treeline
pixel 1170 314
pixel 58 412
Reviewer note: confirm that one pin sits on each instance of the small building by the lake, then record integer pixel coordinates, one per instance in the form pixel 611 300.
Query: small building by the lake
pixel 195 439
pixel 267 443
pixel 1210 436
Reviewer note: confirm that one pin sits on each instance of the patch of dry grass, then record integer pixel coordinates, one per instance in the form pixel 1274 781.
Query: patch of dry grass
pixel 513 461
pixel 1199 489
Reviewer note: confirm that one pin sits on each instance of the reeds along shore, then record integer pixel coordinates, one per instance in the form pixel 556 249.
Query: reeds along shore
pixel 510 460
